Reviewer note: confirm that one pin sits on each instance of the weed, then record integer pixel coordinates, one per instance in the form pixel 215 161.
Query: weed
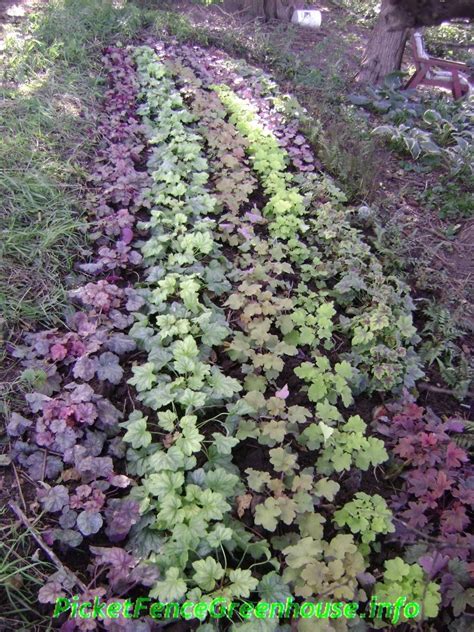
pixel 449 199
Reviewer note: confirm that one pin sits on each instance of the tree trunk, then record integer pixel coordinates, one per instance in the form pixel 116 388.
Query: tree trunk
pixel 273 9
pixel 385 48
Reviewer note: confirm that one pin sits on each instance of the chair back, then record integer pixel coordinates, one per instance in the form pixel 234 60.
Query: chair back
pixel 419 46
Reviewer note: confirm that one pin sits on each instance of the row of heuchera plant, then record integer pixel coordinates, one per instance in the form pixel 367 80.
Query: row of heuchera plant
pixel 187 503
pixel 189 431
pixel 375 311
pixel 164 492
pixel 70 443
pixel 259 484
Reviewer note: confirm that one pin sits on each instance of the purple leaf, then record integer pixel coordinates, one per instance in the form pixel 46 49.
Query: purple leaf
pixel 89 522
pixel 50 592
pixel 17 425
pixel 109 368
pixel 95 467
pixel 283 392
pixel 85 368
pixel 67 519
pixel 54 498
pixel 120 344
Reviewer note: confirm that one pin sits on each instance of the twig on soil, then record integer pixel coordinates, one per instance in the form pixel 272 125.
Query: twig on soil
pixel 423 386
pixel 19 486
pixel 50 553
pixel 440 543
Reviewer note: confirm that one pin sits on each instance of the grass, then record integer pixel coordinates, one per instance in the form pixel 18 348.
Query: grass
pixel 52 78
pixel 22 574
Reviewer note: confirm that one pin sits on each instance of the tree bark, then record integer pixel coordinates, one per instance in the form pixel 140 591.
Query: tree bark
pixel 416 13
pixel 385 48
pixel 273 9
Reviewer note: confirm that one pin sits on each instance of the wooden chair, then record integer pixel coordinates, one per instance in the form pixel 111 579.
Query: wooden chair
pixel 431 71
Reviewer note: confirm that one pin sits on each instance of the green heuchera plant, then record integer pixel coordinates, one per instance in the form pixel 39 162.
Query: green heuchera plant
pixel 185 510
pixel 326 385
pixel 367 515
pixel 401 579
pixel 317 567
pixel 286 204
pixel 344 447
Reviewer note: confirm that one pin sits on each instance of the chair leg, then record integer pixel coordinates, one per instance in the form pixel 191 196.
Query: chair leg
pixel 456 90
pixel 417 78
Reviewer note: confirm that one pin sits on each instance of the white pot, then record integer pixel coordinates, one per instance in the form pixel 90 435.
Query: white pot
pixel 308 17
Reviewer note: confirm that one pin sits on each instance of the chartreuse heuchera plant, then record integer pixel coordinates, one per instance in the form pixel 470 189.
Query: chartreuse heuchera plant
pixel 201 413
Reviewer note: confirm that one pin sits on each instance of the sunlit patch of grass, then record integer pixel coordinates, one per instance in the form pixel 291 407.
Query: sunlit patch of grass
pixel 53 76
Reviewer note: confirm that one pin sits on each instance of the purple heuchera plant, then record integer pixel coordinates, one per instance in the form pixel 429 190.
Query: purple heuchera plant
pixel 72 430
pixel 438 484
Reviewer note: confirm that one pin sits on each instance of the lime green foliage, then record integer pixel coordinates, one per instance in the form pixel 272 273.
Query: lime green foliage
pixel 367 515
pixel 285 205
pixel 327 386
pixel 378 309
pixel 401 578
pixel 324 568
pixel 52 74
pixel 189 507
pixel 344 447
pixel 310 324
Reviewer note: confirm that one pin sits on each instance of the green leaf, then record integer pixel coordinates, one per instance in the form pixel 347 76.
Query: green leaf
pixel 223 386
pixel 137 433
pixel 190 441
pixel 256 479
pixel 172 459
pixel 254 382
pixel 272 588
pixel 167 420
pixel 266 514
pixel 192 399
pixel 326 412
pixel 143 377
pixel 172 588
pixel 311 525
pixel 283 460
pixel 219 535
pixel 222 482
pixel 327 488
pixel 224 443
pixel 318 389
pixel 242 583
pixel 164 483
pixel 213 504
pixel 344 369
pixel 186 348
pixel 158 397
pixel 302 553
pixel 207 573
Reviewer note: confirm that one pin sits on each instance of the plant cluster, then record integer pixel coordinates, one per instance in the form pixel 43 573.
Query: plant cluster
pixel 221 378
pixel 400 578
pixel 436 495
pixel 436 132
